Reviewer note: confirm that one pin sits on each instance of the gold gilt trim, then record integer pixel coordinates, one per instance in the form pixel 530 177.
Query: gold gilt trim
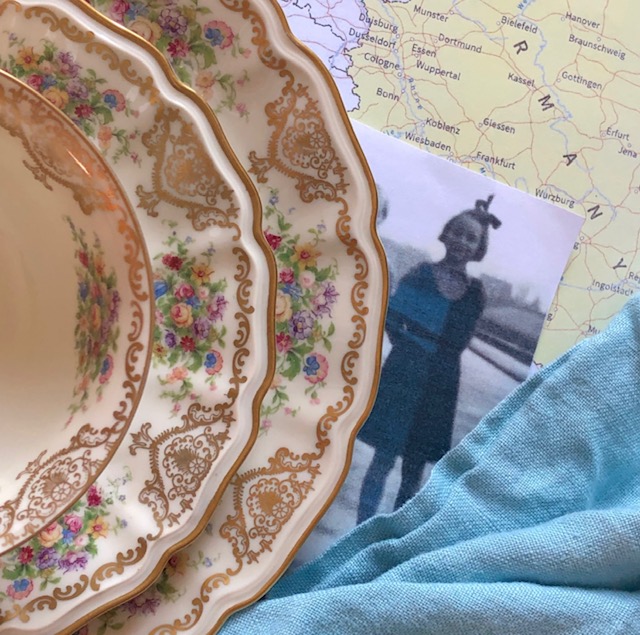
pixel 56 482
pixel 184 173
pixel 296 120
pixel 137 553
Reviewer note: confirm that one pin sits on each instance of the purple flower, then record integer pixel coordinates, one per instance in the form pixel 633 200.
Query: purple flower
pixel 47 558
pixel 201 328
pixel 67 64
pixel 172 21
pixel 301 324
pixel 77 89
pixel 324 299
pixel 145 606
pixel 83 290
pixel 216 308
pixel 170 339
pixel 74 561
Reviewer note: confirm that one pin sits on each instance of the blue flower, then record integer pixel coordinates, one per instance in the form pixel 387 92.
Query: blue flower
pixel 194 302
pixel 83 290
pixel 210 360
pixel 207 562
pixel 48 82
pixel 311 365
pixel 160 287
pixel 214 36
pixel 111 100
pixel 67 536
pixel 293 290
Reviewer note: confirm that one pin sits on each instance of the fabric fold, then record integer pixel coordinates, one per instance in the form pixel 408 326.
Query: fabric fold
pixel 530 525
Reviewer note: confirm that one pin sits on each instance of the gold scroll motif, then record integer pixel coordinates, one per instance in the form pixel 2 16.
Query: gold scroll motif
pixel 300 147
pixel 184 175
pixel 56 481
pixel 201 215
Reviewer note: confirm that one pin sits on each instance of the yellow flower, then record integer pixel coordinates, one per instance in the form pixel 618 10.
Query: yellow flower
pixel 305 255
pixel 283 307
pixel 181 314
pixel 50 535
pixel 27 58
pixel 204 82
pixel 201 273
pixel 98 528
pixel 96 317
pixel 59 98
pixel 150 31
pixel 105 135
pixel 178 563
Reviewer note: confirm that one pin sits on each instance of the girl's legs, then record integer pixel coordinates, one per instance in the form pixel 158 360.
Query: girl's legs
pixel 422 448
pixel 373 484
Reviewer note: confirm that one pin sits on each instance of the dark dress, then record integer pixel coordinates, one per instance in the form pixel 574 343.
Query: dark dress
pixel 415 409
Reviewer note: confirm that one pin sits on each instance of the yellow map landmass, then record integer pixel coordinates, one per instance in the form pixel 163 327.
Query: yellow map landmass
pixel 540 95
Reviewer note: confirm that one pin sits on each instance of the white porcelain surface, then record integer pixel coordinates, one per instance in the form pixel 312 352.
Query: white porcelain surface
pixel 283 117
pixel 72 316
pixel 212 353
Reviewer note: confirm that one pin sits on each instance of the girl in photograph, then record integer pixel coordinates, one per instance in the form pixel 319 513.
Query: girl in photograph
pixel 431 320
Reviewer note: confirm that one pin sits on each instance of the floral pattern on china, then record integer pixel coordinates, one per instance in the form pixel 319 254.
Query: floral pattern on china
pixel 191 41
pixel 65 546
pixel 97 331
pixel 190 306
pixel 76 91
pixel 305 297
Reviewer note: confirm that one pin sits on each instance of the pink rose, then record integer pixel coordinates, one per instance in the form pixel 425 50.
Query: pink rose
pixel 307 279
pixel 118 10
pixel 184 291
pixel 35 81
pixel 73 522
pixel 286 276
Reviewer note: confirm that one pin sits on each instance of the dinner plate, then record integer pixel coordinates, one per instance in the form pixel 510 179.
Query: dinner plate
pixel 282 114
pixel 213 275
pixel 69 240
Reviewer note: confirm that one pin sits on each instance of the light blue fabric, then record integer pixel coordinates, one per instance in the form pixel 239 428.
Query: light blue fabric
pixel 530 526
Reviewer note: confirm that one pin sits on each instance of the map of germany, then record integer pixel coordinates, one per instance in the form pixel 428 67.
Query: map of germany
pixel 536 94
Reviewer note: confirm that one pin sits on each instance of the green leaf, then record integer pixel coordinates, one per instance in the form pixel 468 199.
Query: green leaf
pixel 331 330
pixel 209 57
pixel 11 574
pixel 323 274
pixel 196 363
pixel 183 74
pixel 295 365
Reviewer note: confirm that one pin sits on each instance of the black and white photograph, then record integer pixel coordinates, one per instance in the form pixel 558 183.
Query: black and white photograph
pixel 473 268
